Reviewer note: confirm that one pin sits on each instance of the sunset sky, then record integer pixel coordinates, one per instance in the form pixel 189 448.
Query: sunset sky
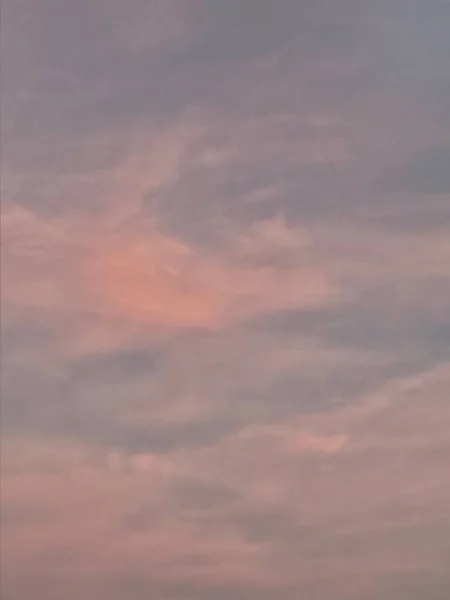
pixel 225 299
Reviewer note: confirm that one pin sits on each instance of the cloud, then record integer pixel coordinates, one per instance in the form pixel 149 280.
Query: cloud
pixel 222 515
pixel 425 173
pixel 158 280
pixel 147 277
pixel 225 300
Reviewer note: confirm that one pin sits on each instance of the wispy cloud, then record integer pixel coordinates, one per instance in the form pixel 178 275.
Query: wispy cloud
pixel 221 515
pixel 225 300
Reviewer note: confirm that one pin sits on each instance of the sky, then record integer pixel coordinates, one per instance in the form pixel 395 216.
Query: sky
pixel 225 299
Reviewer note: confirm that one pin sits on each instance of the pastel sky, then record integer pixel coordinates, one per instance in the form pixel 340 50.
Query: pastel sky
pixel 225 299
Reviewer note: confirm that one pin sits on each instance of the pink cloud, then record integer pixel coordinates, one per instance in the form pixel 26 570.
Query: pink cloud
pixel 158 280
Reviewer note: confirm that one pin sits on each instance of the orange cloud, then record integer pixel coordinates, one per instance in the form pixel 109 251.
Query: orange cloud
pixel 305 442
pixel 60 495
pixel 157 280
pixel 153 281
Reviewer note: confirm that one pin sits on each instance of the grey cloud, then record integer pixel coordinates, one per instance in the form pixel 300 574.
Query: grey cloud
pixel 193 499
pixel 84 79
pixel 53 408
pixel 412 336
pixel 416 214
pixel 432 584
pixel 428 172
pixel 271 525
pixel 259 28
pixel 94 397
pixel 416 338
pixel 202 198
pixel 114 366
pixel 196 494
pixel 326 58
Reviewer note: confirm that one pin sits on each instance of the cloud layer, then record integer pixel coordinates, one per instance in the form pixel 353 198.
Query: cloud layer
pixel 225 300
